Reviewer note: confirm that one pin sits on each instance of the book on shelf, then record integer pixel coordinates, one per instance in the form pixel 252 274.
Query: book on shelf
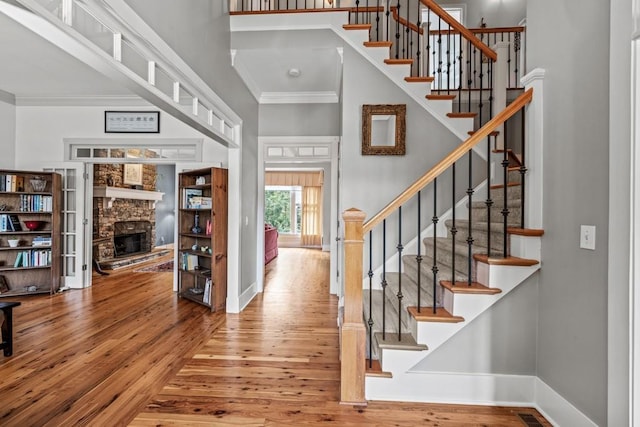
pixel 188 195
pixel 189 261
pixel 18 261
pixel 14 223
pixel 41 241
pixel 206 297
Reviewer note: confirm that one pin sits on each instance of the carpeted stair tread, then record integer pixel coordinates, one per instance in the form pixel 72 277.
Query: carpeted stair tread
pixel 390 308
pixel 410 291
pixel 463 225
pixel 391 341
pixel 444 258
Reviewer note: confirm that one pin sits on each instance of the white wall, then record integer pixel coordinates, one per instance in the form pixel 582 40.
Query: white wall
pixel 40 132
pixel 7 130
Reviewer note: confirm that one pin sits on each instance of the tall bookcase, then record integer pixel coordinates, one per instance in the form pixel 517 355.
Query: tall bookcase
pixel 30 259
pixel 202 237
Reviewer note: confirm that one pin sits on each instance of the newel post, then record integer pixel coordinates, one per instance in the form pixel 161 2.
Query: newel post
pixel 353 334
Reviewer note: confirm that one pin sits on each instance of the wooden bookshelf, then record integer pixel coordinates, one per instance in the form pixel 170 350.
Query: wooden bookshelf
pixel 202 237
pixel 33 266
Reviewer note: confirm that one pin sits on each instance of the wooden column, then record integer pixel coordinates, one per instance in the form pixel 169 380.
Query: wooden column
pixel 353 334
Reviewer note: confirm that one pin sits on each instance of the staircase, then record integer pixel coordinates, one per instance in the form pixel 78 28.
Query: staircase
pixel 405 335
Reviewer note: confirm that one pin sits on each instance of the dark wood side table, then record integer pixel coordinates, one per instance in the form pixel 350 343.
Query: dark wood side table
pixel 7 326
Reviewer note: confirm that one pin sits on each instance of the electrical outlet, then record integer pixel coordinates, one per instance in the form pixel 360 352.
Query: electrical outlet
pixel 588 237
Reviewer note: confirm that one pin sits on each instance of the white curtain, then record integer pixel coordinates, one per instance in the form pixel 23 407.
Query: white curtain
pixel 311 230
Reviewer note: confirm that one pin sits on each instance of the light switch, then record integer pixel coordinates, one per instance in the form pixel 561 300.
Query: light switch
pixel 588 237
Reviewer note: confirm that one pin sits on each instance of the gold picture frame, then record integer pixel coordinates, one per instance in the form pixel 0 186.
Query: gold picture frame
pixel 383 129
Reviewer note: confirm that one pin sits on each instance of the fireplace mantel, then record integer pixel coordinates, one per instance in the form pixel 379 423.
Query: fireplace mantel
pixel 110 194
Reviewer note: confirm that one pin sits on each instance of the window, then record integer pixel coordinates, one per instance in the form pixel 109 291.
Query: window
pixel 283 208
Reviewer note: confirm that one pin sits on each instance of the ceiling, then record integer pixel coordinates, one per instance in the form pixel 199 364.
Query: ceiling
pixel 37 72
pixel 33 68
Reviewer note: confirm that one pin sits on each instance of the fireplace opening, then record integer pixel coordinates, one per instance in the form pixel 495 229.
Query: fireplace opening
pixel 131 237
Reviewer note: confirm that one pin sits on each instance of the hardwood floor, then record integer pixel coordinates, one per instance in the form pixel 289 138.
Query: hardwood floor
pixel 277 364
pixel 127 351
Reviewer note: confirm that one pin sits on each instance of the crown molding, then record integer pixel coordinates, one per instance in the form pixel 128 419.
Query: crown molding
pixel 325 97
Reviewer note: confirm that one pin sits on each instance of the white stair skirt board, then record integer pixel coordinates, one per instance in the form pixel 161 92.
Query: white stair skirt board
pixel 355 38
pixel 557 410
pixel 470 306
pixel 478 389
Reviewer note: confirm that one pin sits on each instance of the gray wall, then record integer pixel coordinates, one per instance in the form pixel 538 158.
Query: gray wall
pixel 572 326
pixel 299 120
pixel 496 14
pixel 501 340
pixel 199 32
pixel 619 208
pixel 165 209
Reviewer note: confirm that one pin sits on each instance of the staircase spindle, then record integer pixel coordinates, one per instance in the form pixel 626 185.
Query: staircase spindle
pixel 516 51
pixel 419 48
pixel 427 69
pixel 460 79
pixel 398 31
pixel 505 208
pixel 448 53
pixel 470 202
pixel 469 71
pixel 357 11
pixel 488 203
pixel 419 256
pixel 384 279
pixel 434 220
pixel 377 23
pixel 408 39
pixel 388 17
pixel 370 320
pixel 453 230
pixel 438 46
pixel 399 295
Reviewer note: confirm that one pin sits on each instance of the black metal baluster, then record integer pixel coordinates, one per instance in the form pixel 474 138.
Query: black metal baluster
pixel 505 207
pixel 470 202
pixel 370 321
pixel 453 230
pixel 523 169
pixel 408 42
pixel 357 11
pixel 469 70
pixel 419 256
pixel 388 13
pixel 377 23
pixel 517 51
pixel 384 279
pixel 398 30
pixel 419 49
pixel 400 296
pixel 439 47
pixel 434 220
pixel 460 82
pixel 488 203
pixel 448 53
pixel 427 71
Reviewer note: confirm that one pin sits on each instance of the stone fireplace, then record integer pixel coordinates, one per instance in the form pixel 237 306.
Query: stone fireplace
pixel 123 217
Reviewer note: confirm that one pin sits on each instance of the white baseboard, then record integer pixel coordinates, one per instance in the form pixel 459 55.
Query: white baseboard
pixel 326 248
pixel 248 295
pixel 445 387
pixel 556 409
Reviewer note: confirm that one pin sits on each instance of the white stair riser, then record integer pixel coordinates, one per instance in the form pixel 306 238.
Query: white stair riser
pixel 526 247
pixel 504 277
pixel 392 360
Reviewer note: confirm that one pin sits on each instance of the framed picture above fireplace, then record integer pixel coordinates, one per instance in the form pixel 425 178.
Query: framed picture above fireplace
pixel 132 174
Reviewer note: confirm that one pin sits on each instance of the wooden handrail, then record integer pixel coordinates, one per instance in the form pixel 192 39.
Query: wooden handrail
pixel 496 30
pixel 402 21
pixel 490 53
pixel 453 157
pixel 368 9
